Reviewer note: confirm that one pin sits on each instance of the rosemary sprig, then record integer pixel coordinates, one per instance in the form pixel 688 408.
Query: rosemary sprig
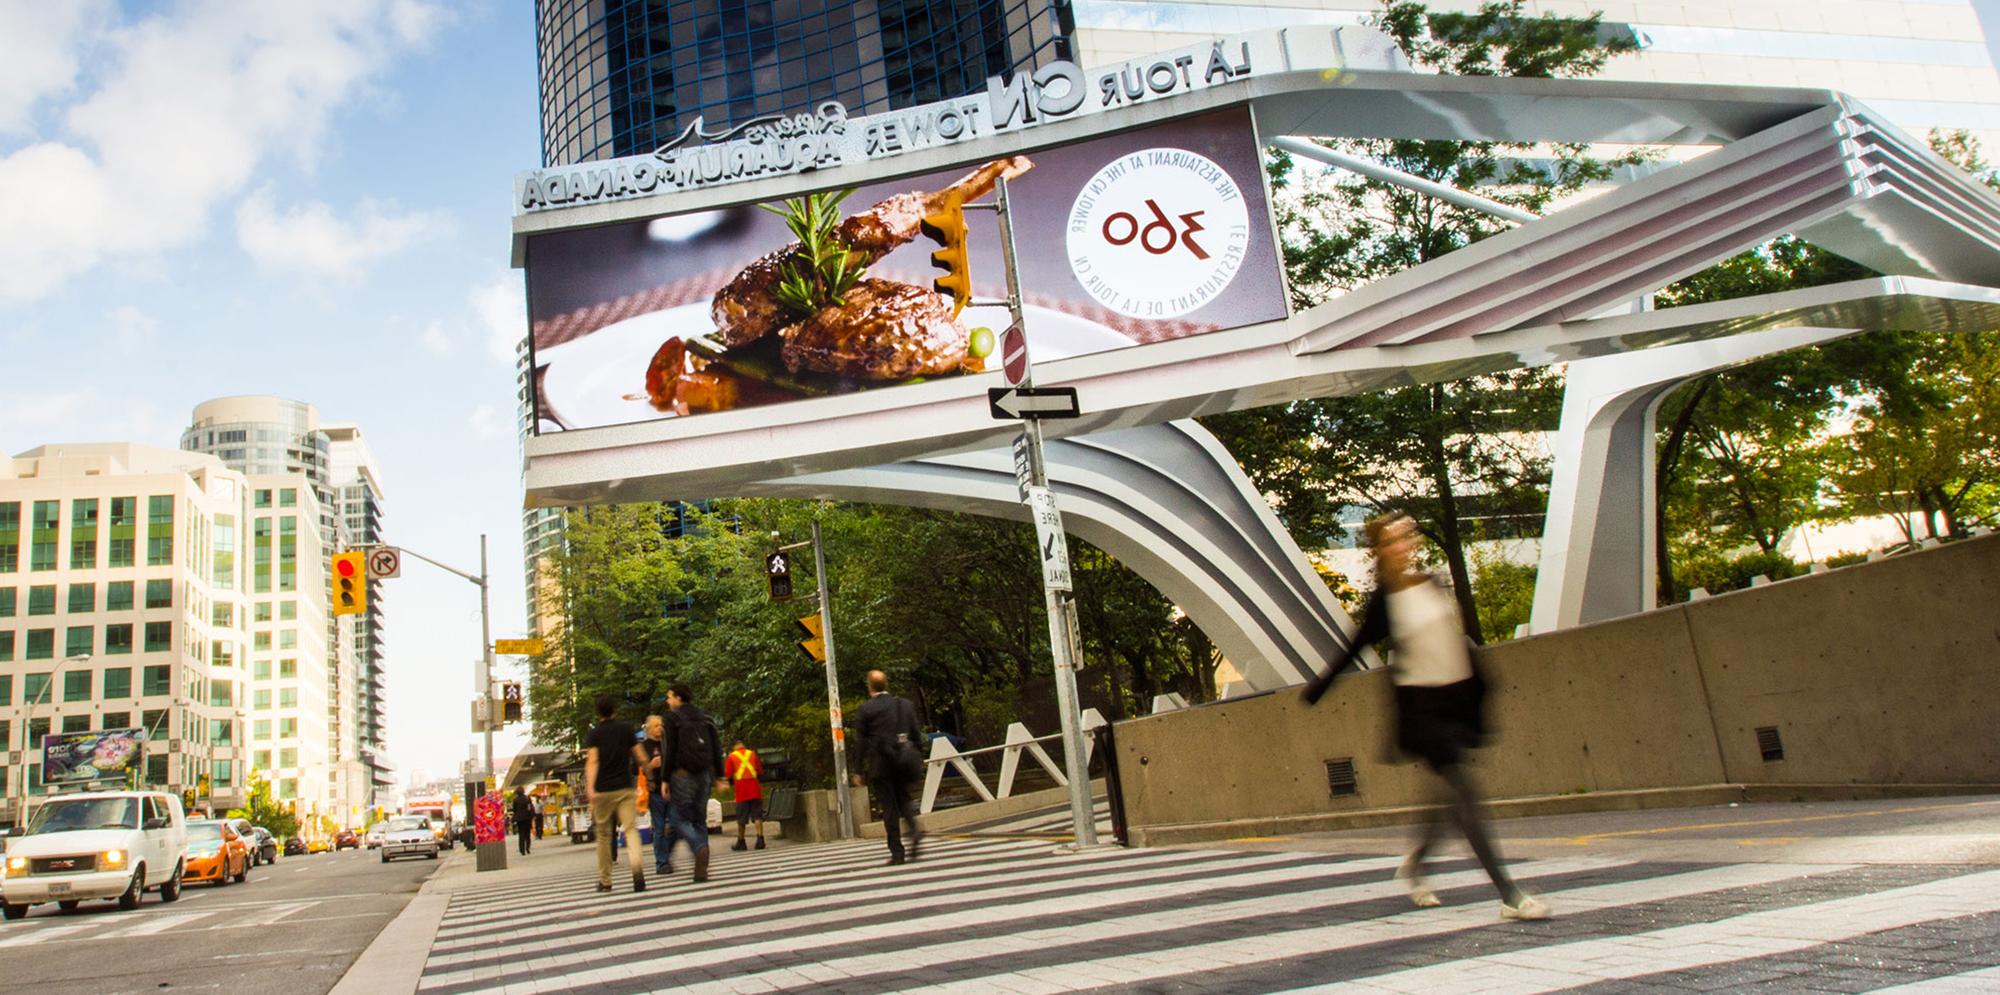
pixel 820 274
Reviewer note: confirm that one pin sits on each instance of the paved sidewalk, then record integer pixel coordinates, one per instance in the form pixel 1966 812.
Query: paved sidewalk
pixel 1660 901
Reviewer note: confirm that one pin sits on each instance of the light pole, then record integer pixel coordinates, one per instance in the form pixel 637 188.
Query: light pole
pixel 28 731
pixel 485 630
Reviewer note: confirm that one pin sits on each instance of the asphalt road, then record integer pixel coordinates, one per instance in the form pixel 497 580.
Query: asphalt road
pixel 295 926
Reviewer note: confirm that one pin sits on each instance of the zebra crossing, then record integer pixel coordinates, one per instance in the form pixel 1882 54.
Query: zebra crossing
pixel 101 922
pixel 982 914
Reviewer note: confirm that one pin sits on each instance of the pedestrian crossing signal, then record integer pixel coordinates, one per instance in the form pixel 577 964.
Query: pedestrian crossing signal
pixel 814 645
pixel 350 583
pixel 778 572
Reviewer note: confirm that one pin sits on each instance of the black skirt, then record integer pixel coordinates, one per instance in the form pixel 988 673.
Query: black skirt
pixel 1438 724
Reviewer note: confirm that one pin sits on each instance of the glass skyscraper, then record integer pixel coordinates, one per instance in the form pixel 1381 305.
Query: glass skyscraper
pixel 622 77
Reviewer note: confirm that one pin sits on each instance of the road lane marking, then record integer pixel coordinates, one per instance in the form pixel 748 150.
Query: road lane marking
pixel 272 914
pixel 48 933
pixel 158 924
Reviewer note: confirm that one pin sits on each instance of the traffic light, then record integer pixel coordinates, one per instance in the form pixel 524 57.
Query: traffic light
pixel 778 572
pixel 814 644
pixel 510 702
pixel 947 229
pixel 350 583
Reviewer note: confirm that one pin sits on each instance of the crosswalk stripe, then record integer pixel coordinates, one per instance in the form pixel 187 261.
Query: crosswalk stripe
pixel 1756 934
pixel 894 902
pixel 1168 907
pixel 44 934
pixel 159 923
pixel 1983 982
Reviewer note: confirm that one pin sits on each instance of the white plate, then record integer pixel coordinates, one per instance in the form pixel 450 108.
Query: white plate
pixel 591 381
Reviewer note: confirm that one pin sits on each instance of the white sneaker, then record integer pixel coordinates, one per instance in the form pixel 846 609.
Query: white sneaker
pixel 1420 893
pixel 1530 908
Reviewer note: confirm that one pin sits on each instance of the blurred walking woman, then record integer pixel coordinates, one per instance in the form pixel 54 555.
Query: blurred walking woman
pixel 1439 699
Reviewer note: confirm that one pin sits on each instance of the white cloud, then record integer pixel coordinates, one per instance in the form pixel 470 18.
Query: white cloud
pixel 39 47
pixel 310 239
pixel 435 339
pixel 485 422
pixel 31 419
pixel 132 330
pixel 502 307
pixel 187 105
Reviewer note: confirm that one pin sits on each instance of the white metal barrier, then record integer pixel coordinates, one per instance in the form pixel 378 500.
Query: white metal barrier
pixel 943 754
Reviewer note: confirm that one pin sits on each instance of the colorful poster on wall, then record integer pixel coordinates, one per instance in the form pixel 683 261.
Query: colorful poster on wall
pixel 94 756
pixel 1122 240
pixel 489 823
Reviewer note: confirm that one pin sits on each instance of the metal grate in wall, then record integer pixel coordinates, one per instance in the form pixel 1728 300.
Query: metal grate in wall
pixel 1769 744
pixel 1340 777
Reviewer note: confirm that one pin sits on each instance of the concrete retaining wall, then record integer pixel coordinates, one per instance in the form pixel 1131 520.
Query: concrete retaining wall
pixel 1878 677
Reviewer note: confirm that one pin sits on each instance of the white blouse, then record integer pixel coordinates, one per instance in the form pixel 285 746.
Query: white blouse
pixel 1429 643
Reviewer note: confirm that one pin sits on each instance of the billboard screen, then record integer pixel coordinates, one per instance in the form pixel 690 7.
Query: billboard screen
pixel 1122 240
pixel 98 755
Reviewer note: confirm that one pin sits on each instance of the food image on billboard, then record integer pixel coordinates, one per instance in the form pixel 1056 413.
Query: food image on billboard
pixel 1121 240
pixel 98 755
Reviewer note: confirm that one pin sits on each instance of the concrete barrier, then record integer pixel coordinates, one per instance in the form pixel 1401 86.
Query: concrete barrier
pixel 1878 679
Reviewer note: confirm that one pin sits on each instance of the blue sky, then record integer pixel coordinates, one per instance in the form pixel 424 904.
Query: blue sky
pixel 207 199
pixel 308 199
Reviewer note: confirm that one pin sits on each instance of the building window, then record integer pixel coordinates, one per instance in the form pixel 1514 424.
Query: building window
pixel 288 698
pixel 157 679
pixel 42 599
pixel 41 644
pixel 159 636
pixel 6 698
pixel 160 530
pixel 262 640
pixel 124 532
pixel 76 686
pixel 117 639
pixel 260 556
pixel 80 640
pixel 263 611
pixel 261 670
pixel 288 610
pixel 6 602
pixel 6 647
pixel 263 498
pixel 261 760
pixel 82 598
pixel 288 497
pixel 83 534
pixel 261 729
pixel 118 596
pixel 159 594
pixel 261 699
pixel 288 553
pixel 224 772
pixel 288 728
pixel 76 723
pixel 222 615
pixel 288 639
pixel 10 536
pixel 117 683
pixel 220 694
pixel 115 720
pixel 34 689
pixel 156 770
pixel 288 668
pixel 42 545
pixel 154 721
pixel 288 788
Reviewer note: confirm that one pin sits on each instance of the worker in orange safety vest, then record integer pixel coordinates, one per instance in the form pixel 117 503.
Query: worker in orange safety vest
pixel 742 768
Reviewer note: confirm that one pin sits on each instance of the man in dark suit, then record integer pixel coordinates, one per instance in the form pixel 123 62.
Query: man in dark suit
pixel 887 729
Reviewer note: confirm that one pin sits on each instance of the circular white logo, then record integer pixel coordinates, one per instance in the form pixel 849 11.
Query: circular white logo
pixel 1158 233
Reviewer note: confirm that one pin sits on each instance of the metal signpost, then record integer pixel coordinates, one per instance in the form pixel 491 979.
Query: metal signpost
pixel 1021 399
pixel 819 646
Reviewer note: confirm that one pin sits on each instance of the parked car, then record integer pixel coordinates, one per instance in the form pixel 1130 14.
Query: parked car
pixel 216 853
pixel 100 845
pixel 263 845
pixel 295 847
pixel 249 834
pixel 409 836
pixel 346 840
pixel 318 844
pixel 373 837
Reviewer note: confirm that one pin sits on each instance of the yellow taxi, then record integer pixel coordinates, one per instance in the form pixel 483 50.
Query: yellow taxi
pixel 318 844
pixel 216 853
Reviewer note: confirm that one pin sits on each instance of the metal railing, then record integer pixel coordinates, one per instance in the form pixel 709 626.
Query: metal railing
pixel 1018 741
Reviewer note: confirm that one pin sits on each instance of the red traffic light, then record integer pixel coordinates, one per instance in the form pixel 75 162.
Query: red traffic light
pixel 345 567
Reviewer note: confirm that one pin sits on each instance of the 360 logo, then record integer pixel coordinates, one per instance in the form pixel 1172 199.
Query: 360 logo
pixel 1158 233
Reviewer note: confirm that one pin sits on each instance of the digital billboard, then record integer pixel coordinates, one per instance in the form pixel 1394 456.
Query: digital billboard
pixel 1122 240
pixel 98 755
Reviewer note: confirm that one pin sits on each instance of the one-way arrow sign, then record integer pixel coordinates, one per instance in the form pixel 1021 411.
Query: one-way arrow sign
pixel 1032 402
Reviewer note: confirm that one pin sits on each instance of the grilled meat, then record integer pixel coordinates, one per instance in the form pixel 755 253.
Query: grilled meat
pixel 884 330
pixel 745 309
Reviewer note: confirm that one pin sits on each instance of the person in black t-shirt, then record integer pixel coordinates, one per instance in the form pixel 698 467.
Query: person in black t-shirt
pixel 610 780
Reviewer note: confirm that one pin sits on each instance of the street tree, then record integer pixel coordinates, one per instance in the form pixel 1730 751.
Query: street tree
pixel 263 810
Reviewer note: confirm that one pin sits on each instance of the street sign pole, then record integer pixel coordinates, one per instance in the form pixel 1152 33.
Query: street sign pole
pixel 842 798
pixel 1062 613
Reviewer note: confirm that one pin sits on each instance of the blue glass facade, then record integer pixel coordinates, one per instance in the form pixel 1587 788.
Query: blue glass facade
pixel 621 77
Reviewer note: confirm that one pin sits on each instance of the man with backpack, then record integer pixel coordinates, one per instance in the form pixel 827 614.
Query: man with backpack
pixel 691 756
pixel 887 728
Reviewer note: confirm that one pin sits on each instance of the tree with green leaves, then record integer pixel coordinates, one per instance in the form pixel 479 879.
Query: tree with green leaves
pixel 1462 458
pixel 263 810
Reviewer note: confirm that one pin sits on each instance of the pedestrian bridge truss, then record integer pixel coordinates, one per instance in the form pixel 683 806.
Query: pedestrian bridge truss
pixel 1169 502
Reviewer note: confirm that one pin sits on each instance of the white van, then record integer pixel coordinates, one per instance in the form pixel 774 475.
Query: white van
pixel 113 844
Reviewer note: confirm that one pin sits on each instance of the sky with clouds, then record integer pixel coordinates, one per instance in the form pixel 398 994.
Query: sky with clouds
pixel 308 199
